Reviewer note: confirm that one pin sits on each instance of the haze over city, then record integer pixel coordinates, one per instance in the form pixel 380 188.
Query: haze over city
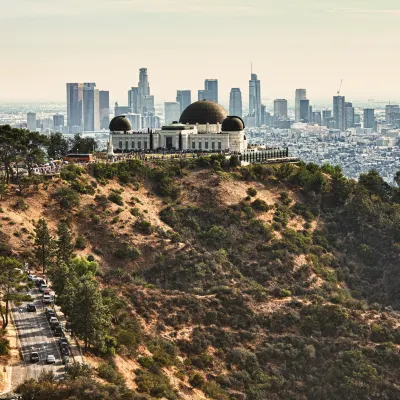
pixel 312 44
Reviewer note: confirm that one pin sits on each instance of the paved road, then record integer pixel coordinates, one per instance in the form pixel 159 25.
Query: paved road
pixel 35 334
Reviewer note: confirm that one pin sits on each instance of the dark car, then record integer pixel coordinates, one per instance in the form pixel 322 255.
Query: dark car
pixel 35 357
pixel 54 325
pixel 62 341
pixel 39 282
pixel 58 331
pixel 68 326
pixel 31 307
pixel 64 351
pixel 50 314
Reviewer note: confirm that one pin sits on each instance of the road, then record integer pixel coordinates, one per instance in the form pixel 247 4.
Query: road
pixel 35 335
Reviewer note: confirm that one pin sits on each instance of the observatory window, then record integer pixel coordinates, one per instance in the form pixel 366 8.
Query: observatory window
pixel 139 144
pixel 206 145
pixel 193 145
pixel 219 146
pixel 145 144
pixel 120 144
pixel 212 145
pixel 200 145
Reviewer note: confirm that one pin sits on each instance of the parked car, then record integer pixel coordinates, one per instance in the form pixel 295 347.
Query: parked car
pixel 43 287
pixel 47 299
pixel 31 307
pixel 64 351
pixel 53 319
pixel 58 331
pixel 54 325
pixel 51 359
pixel 62 341
pixel 35 357
pixel 50 314
pixel 39 281
pixel 31 277
pixel 68 327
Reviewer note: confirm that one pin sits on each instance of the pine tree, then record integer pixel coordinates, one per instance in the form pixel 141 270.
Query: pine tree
pixel 44 244
pixel 90 318
pixel 65 246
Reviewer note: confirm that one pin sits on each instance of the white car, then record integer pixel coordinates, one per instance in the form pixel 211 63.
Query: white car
pixel 31 277
pixel 47 299
pixel 51 359
pixel 53 319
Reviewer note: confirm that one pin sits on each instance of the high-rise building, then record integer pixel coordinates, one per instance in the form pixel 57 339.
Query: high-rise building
pixel 369 118
pixel 392 113
pixel 31 121
pixel 58 121
pixel 135 120
pixel 316 117
pixel 235 102
pixel 310 116
pixel 304 108
pixel 263 114
pixel 255 98
pixel 280 108
pixel 301 94
pixel 339 113
pixel 121 110
pixel 104 101
pixel 326 115
pixel 75 105
pixel 349 111
pixel 210 91
pixel 139 99
pixel 184 98
pixel 172 112
pixel 91 107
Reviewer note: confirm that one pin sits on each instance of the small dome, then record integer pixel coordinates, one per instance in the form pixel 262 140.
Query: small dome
pixel 203 112
pixel 232 124
pixel 120 124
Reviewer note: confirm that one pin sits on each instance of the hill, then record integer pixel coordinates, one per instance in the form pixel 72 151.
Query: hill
pixel 227 282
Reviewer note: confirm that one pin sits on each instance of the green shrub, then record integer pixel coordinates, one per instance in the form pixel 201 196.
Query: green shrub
pixel 116 198
pixel 143 226
pixel 251 192
pixel 108 372
pixel 68 198
pixel 260 205
pixel 71 172
pixel 80 243
pixel 197 380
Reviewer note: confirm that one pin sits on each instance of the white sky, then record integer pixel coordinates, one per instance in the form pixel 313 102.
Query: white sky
pixel 292 44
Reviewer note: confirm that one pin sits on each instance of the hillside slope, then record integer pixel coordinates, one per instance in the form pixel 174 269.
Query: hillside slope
pixel 232 283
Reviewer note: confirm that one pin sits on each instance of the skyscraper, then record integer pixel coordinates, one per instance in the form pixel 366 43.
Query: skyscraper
pixel 172 112
pixel 369 118
pixel 301 94
pixel 91 107
pixel 304 108
pixel 349 111
pixel 58 121
pixel 263 115
pixel 316 117
pixel 280 108
pixel 74 105
pixel 392 113
pixel 139 98
pixel 104 104
pixel 184 98
pixel 326 115
pixel 255 98
pixel 235 102
pixel 31 121
pixel 339 113
pixel 210 91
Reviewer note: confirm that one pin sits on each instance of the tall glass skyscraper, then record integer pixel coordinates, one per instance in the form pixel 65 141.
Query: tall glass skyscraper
pixel 301 94
pixel 255 98
pixel 184 98
pixel 235 102
pixel 210 91
pixel 339 112
pixel 74 105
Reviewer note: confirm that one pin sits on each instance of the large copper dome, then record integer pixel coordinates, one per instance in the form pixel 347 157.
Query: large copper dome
pixel 203 112
pixel 233 124
pixel 120 124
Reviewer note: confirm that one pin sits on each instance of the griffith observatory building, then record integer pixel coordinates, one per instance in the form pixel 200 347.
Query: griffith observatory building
pixel 203 126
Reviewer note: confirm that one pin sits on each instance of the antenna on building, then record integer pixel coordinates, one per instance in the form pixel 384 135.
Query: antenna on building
pixel 251 66
pixel 340 87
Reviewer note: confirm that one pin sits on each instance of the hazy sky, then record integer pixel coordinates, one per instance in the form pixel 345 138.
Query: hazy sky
pixel 292 44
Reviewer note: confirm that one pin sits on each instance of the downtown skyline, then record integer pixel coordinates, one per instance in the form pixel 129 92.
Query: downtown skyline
pixel 316 44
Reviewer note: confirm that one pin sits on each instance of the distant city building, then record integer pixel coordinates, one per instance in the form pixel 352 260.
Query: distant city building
pixel 135 120
pixel 255 98
pixel 210 91
pixel 280 108
pixel 339 113
pixel 91 107
pixel 250 120
pixel 316 119
pixel 326 115
pixel 58 122
pixel 304 109
pixel 104 101
pixel 263 114
pixel 74 105
pixel 140 101
pixel 268 119
pixel 184 98
pixel 310 116
pixel 392 114
pixel 369 118
pixel 172 112
pixel 31 121
pixel 301 94
pixel 349 112
pixel 235 102
pixel 121 110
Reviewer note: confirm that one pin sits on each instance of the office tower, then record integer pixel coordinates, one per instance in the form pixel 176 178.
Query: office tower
pixel 74 105
pixel 316 119
pixel 184 98
pixel 121 110
pixel 235 102
pixel 301 94
pixel 326 115
pixel 304 108
pixel 369 118
pixel 268 119
pixel 135 120
pixel 339 113
pixel 139 98
pixel 310 111
pixel 280 108
pixel 31 121
pixel 211 87
pixel 255 98
pixel 104 102
pixel 91 107
pixel 349 112
pixel 263 114
pixel 58 121
pixel 392 113
pixel 172 112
